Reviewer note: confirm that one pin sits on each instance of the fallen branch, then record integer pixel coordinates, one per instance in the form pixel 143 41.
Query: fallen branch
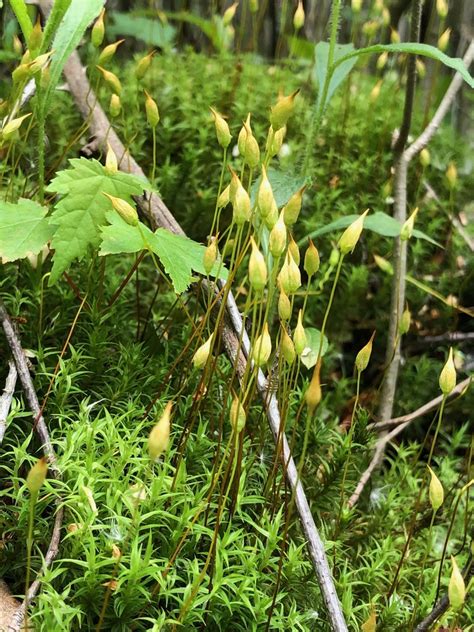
pixel 154 207
pixel 6 398
pixel 423 410
pixel 42 430
pixel 385 439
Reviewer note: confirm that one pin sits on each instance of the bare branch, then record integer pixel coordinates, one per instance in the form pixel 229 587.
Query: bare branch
pixel 6 398
pixel 423 410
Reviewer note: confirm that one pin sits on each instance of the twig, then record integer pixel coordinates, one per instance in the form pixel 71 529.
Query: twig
pixel 27 384
pixel 6 398
pixel 392 355
pixel 402 423
pixel 423 410
pixel 42 430
pixel 154 207
pixel 443 604
pixel 393 351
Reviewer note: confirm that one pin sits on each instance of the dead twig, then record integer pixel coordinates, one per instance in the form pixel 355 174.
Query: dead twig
pixel 385 439
pixel 6 398
pixel 423 410
pixel 42 430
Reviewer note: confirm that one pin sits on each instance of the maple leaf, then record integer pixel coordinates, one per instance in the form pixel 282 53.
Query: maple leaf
pixel 80 213
pixel 24 229
pixel 179 255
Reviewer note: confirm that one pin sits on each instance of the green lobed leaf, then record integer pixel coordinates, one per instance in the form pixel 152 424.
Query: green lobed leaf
pixel 313 340
pixel 80 213
pixel 179 255
pixel 415 49
pixel 378 222
pixel 24 229
pixel 339 73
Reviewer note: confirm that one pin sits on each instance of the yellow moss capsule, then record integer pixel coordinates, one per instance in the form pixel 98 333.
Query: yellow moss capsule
pixel 222 129
pixel 271 219
pixel 98 30
pixel 383 264
pixel 425 157
pixel 275 140
pixel 21 73
pixel 370 624
pixel 289 277
pixel 298 17
pixel 115 105
pixel 124 209
pixel 241 205
pixel 108 52
pixel 447 377
pixel 234 184
pixel 282 110
pixel 36 37
pixel 262 347
pixel 442 8
pixel 37 475
pixel 299 335
pixel 311 260
pixel 284 305
pixel 257 268
pixel 277 239
pixel 229 14
pixel 39 63
pixel 405 322
pixel 159 437
pixel 420 68
pixel 363 357
pixel 407 228
pixel 242 137
pixel 210 255
pixel 202 354
pixel 143 64
pixel 351 235
pixel 443 40
pixel 253 4
pixel 394 36
pixel 294 250
pixel 436 491
pixel 292 208
pixel 456 587
pixel 152 112
pixel 224 197
pixel 356 5
pixel 375 92
pixel 238 418
pixel 452 175
pixel 111 80
pixel 111 163
pixel 287 347
pixel 17 46
pixel 13 126
pixel 382 60
pixel 252 150
pixel 313 394
pixel 265 197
